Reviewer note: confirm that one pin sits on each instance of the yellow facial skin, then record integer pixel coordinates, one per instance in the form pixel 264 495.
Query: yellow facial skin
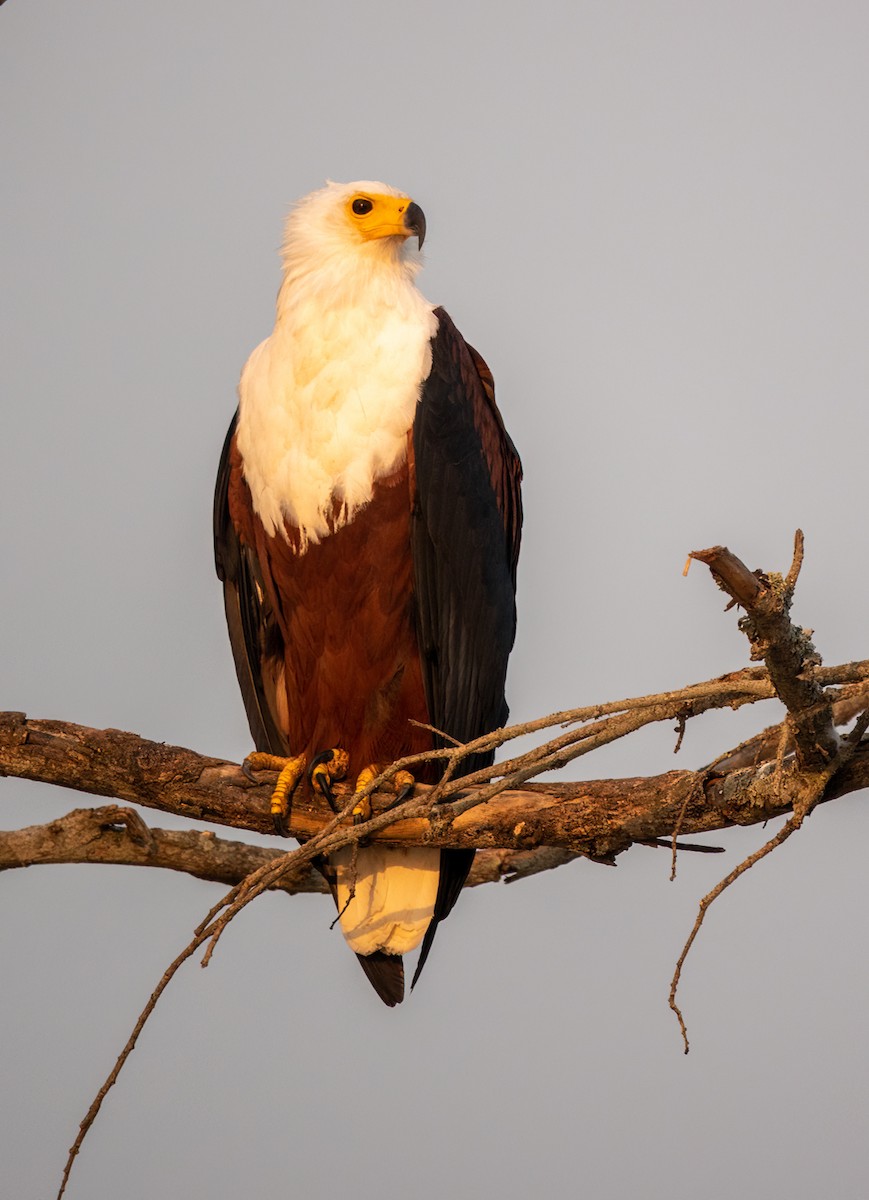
pixel 384 218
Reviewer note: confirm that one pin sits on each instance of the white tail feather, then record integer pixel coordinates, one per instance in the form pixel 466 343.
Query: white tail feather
pixel 395 896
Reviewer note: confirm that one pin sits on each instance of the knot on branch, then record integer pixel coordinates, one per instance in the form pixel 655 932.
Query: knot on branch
pixel 787 649
pixel 122 819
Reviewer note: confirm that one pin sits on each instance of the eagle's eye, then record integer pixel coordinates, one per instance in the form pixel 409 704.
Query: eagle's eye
pixel 361 206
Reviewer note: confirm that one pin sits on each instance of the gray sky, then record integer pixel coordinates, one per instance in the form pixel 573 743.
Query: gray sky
pixel 651 219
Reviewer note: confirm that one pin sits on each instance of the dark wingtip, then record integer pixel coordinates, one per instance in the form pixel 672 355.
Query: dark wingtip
pixel 423 954
pixel 455 867
pixel 386 975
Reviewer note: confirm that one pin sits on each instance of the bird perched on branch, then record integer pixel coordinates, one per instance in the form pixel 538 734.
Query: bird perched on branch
pixel 367 523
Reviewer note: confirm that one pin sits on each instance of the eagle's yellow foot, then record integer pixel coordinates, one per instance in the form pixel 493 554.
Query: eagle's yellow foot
pixel 402 783
pixel 290 772
pixel 326 769
pixel 362 808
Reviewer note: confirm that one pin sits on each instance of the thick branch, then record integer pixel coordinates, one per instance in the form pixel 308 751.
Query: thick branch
pixel 120 837
pixel 598 818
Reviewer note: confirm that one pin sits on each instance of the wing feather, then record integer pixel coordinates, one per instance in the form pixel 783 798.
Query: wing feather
pixel 257 646
pixel 466 529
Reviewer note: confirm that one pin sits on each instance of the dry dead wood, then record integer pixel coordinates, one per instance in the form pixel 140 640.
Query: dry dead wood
pixel 518 826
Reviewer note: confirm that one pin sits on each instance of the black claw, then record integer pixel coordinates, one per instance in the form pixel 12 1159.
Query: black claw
pixel 248 773
pixel 406 791
pixel 329 795
pixel 279 822
pixel 323 757
pixel 321 782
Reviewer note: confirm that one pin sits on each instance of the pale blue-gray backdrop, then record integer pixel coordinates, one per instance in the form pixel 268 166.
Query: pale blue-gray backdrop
pixel 651 219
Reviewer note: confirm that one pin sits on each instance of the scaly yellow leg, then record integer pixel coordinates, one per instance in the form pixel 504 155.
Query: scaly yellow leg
pixel 362 809
pixel 290 772
pixel 402 783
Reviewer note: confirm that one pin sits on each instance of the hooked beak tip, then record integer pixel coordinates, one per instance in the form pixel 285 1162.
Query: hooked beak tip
pixel 414 219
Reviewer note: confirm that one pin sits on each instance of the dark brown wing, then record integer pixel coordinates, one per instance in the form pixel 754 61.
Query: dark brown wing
pixel 257 646
pixel 465 536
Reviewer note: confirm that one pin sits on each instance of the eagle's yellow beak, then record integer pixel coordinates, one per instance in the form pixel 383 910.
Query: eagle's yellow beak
pixel 377 216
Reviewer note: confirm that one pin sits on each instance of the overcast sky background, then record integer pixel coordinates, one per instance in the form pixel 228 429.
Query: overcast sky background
pixel 651 219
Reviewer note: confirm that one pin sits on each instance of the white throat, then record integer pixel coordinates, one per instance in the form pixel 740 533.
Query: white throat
pixel 326 402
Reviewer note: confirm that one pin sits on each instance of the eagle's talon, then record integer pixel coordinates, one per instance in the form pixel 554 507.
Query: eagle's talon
pixel 322 783
pixel 258 760
pixel 325 769
pixel 406 791
pixel 404 783
pixel 362 811
pixel 290 771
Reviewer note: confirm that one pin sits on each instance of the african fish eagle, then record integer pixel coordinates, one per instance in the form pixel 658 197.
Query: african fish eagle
pixel 367 524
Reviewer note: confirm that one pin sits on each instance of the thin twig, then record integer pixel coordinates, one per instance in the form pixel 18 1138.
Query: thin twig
pixel 437 732
pixel 797 562
pixel 676 830
pixel 813 795
pixel 692 847
pixel 91 1115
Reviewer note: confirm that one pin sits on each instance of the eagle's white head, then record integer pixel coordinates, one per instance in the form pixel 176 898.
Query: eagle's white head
pixel 359 229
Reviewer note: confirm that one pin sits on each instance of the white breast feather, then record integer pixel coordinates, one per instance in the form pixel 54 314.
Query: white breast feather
pixel 326 402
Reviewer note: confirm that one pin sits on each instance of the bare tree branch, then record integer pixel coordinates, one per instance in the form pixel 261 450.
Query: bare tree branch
pixel 597 818
pixel 120 837
pixel 787 650
pixel 809 733
pixel 519 827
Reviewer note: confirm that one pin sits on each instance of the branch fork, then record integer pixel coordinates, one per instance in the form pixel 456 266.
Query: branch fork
pixel 519 827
